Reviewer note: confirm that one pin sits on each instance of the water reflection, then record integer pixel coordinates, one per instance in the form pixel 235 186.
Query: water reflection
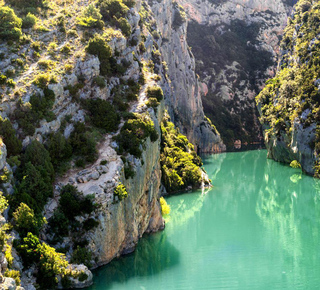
pixel 153 255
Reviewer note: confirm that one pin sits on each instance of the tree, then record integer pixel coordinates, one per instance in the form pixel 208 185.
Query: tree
pixel 8 134
pixel 25 220
pixel 99 47
pixel 10 24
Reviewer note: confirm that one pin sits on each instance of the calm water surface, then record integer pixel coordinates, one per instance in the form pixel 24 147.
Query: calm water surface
pixel 258 228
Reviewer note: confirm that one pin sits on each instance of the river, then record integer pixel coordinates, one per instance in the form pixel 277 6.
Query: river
pixel 257 228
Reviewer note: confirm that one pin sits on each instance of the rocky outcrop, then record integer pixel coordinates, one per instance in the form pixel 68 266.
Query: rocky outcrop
pixel 183 96
pixel 236 44
pixel 289 105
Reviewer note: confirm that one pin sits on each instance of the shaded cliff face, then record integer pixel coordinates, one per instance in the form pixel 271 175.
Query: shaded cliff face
pixel 235 44
pixel 289 104
pixel 183 92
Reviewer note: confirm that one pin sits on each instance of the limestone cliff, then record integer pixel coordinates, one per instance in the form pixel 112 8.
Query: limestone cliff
pixel 236 44
pixel 289 104
pixel 51 83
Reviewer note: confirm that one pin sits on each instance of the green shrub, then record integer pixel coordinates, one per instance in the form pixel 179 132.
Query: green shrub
pixel 153 103
pixel 133 134
pixel 13 274
pixel 81 255
pixel 42 80
pixel 25 4
pixel 99 81
pixel 59 149
pixel 8 134
pixel 112 8
pixel 103 114
pixel 99 47
pixel 180 164
pixel 124 25
pixel 10 24
pixel 83 143
pixel 120 191
pixel 165 208
pixel 90 18
pixel 26 221
pixel 59 223
pixel 29 21
pixel 155 92
pixel 35 176
pixel 72 203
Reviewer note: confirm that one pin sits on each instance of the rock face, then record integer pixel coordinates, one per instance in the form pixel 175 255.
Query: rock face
pixel 289 104
pixel 236 44
pixel 183 93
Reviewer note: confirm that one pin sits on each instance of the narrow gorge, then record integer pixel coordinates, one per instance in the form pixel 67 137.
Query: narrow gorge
pixel 106 106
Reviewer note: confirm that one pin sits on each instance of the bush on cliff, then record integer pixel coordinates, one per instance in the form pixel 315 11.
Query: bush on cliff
pixel 13 144
pixel 179 162
pixel 99 47
pixel 10 24
pixel 103 115
pixel 133 134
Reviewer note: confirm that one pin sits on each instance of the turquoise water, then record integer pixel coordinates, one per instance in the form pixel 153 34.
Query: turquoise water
pixel 258 228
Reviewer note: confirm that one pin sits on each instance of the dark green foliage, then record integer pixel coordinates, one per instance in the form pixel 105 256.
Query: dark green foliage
pixel 155 92
pixel 89 224
pixel 24 4
pixel 28 115
pixel 49 262
pixel 111 9
pixel 10 24
pixel 99 81
pixel 29 21
pixel 81 256
pixel 103 115
pixel 83 143
pixel 124 25
pixel 35 176
pixel 179 162
pixel 179 16
pixel 59 223
pixel 8 134
pixel 99 47
pixel 72 203
pixel 133 134
pixel 59 149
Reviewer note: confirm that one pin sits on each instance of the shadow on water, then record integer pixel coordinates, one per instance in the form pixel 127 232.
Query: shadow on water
pixel 153 254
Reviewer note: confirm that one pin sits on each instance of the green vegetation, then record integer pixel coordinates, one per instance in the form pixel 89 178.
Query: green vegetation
pixel 28 115
pixel 133 134
pixel 29 21
pixel 81 256
pixel 179 162
pixel 72 203
pixel 50 263
pixel 293 96
pixel 26 221
pixel 99 47
pixel 179 16
pixel 35 178
pixel 8 134
pixel 120 191
pixel 10 24
pixel 103 115
pixel 165 208
pixel 90 17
